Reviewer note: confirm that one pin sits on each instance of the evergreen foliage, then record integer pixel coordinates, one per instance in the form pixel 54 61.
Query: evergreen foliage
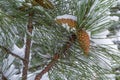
pixel 49 38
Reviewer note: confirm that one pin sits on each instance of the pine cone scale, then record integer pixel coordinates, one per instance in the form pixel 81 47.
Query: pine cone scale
pixel 84 41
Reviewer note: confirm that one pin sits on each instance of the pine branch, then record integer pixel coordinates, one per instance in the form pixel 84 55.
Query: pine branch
pixel 57 56
pixel 36 67
pixel 13 54
pixel 27 49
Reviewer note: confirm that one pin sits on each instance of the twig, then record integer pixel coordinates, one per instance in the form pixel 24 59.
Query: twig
pixel 31 69
pixel 13 54
pixel 57 56
pixel 68 44
pixel 27 49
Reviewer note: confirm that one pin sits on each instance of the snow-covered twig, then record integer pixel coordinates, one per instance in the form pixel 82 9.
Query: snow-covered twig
pixel 13 54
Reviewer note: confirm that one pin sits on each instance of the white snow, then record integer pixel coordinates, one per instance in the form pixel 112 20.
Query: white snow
pixel 45 77
pixel 66 26
pixel 10 59
pixel 89 33
pixel 118 0
pixel 8 68
pixel 32 76
pixel 114 18
pixel 118 35
pixel 7 62
pixel 21 0
pixel 15 77
pixel 21 51
pixel 101 38
pixel 4 64
pixel 18 51
pixel 111 76
pixel 11 71
pixel 102 34
pixel 67 16
pixel 103 41
pixel 118 12
pixel 106 43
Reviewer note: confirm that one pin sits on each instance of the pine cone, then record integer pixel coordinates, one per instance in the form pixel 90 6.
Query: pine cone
pixel 84 41
pixel 45 4
pixel 70 22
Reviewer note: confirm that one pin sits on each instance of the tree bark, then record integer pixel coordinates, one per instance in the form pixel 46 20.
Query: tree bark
pixel 27 49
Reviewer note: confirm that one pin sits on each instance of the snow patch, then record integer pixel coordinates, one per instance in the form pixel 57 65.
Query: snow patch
pixel 15 77
pixel 66 16
pixel 102 34
pixel 114 18
pixel 66 26
pixel 111 76
pixel 21 0
pixel 18 51
pixel 103 41
pixel 33 75
pixel 45 77
pixel 116 38
pixel 7 62
pixel 118 35
pixel 10 59
pixel 11 71
pixel 118 0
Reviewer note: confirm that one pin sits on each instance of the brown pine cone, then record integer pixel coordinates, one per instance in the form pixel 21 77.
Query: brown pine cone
pixel 84 41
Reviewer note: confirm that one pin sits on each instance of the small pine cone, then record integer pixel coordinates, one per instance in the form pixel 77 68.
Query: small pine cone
pixel 84 41
pixel 45 4
pixel 71 23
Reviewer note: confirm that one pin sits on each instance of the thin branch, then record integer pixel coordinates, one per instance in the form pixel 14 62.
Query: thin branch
pixel 31 69
pixel 27 49
pixel 68 44
pixel 13 54
pixel 57 56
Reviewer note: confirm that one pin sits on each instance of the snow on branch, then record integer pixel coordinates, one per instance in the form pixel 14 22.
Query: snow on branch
pixel 18 51
pixel 66 16
pixel 10 52
pixel 57 56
